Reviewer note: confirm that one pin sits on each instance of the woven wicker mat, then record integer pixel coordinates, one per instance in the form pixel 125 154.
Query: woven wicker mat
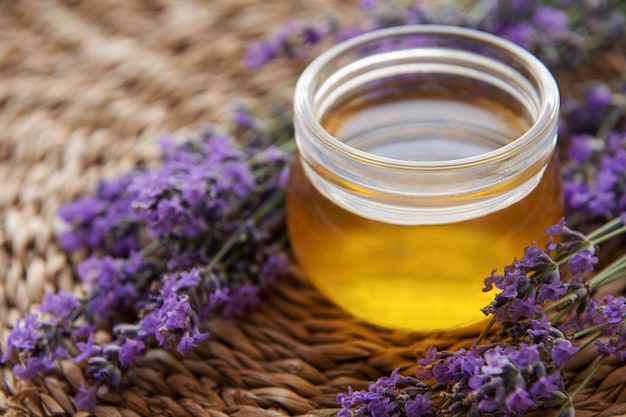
pixel 85 89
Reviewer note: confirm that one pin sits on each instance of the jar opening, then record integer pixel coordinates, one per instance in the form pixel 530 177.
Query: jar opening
pixel 427 116
pixel 426 123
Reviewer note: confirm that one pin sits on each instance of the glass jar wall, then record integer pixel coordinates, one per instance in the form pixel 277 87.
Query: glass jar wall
pixel 425 161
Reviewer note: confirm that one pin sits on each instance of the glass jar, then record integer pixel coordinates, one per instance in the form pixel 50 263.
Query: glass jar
pixel 425 162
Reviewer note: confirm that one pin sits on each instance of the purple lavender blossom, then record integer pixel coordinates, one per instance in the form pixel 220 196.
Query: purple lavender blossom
pixel 34 366
pixel 522 34
pixel 111 288
pixel 392 396
pixel 87 350
pixel 172 200
pixel 615 345
pixel 519 401
pixel 547 31
pixel 546 386
pixel 531 372
pixel 420 406
pixel 570 241
pixel 611 312
pixel 550 19
pixel 594 174
pixel 36 347
pixel 242 300
pixel 192 206
pixel 258 54
pixel 563 351
pixel 541 328
pixel 94 218
pixel 583 261
pixel 580 148
pixel 25 335
pixel 523 309
pixel 367 5
pixel 202 187
pixel 551 291
pixel 86 398
pixel 130 350
pixel 275 266
pixel 526 355
pixel 172 320
pixel 599 97
pixel 82 210
pixel 61 304
pixel 525 286
pixel 293 40
pixel 243 119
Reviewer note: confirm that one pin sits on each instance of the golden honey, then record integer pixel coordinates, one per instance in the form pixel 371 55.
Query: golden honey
pixel 412 277
pixel 369 222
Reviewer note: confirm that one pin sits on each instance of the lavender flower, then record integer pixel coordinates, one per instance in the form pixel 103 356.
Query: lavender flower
pixel 523 372
pixel 551 19
pixel 169 199
pixel 610 313
pixel 102 220
pixel 86 398
pixel 599 97
pixel 614 346
pixel 87 350
pixel 293 40
pixel 24 336
pixel 525 286
pixel 580 148
pixel 208 222
pixel 130 350
pixel 563 351
pixel 583 261
pixel 602 194
pixel 111 283
pixel 392 396
pixel 36 365
pixel 551 32
pixel 61 304
pixel 475 378
pixel 173 321
pixel 36 346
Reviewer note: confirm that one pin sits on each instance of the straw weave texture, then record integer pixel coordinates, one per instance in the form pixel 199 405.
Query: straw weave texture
pixel 86 88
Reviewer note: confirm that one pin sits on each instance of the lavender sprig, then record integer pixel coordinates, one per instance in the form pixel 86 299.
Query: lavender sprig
pixel 545 306
pixel 558 32
pixel 541 315
pixel 199 236
pixel 596 153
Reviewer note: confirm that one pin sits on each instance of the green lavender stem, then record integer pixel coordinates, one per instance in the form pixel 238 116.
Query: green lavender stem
pixel 589 341
pixel 609 236
pixel 270 204
pixel 582 385
pixel 569 299
pixel 152 247
pixel 486 330
pixel 604 228
pixel 610 122
pixel 616 270
pixel 591 329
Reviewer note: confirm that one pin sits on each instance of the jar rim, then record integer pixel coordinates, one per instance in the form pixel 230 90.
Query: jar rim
pixel 547 93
